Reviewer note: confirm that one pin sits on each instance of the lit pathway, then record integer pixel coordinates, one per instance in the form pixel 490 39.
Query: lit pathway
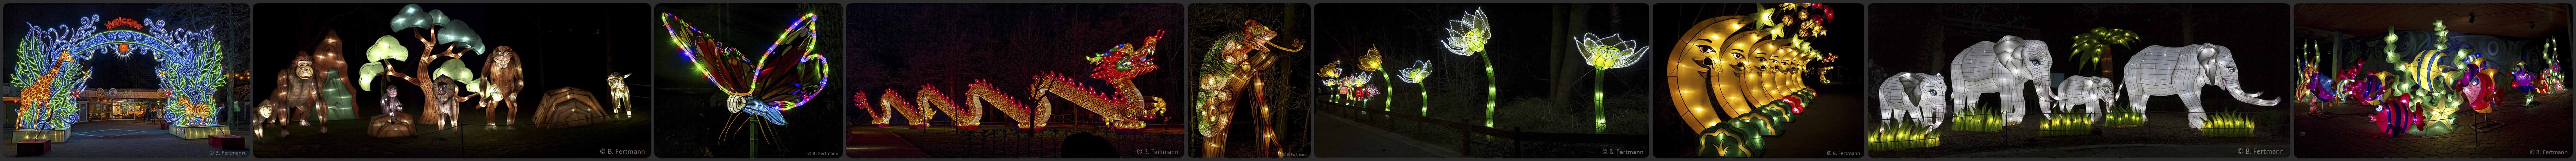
pixel 133 138
pixel 1352 139
pixel 881 144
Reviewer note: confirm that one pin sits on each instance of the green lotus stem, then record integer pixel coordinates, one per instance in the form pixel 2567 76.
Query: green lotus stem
pixel 1390 88
pixel 1604 53
pixel 1467 37
pixel 1489 88
pixel 1426 98
pixel 1600 124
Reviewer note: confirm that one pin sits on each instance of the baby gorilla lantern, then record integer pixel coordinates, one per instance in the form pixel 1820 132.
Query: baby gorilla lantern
pixel 265 113
pixel 393 123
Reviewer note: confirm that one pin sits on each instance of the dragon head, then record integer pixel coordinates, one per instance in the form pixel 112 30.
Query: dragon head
pixel 1125 61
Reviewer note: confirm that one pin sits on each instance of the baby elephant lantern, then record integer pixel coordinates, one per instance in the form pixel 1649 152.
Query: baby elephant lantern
pixel 2180 71
pixel 2001 67
pixel 2090 92
pixel 1914 96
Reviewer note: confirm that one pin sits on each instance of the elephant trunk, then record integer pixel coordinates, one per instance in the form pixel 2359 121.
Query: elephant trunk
pixel 2039 63
pixel 2237 90
pixel 2044 86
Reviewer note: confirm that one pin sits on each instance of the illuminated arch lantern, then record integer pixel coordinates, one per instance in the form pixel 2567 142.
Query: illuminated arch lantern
pixel 189 71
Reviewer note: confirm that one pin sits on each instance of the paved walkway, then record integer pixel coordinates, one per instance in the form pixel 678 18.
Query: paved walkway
pixel 881 144
pixel 133 138
pixel 1353 139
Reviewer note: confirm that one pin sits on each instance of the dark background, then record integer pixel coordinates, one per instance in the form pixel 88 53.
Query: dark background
pixel 1545 85
pixel 904 46
pixel 1285 79
pixel 575 45
pixel 1921 38
pixel 693 124
pixel 1831 122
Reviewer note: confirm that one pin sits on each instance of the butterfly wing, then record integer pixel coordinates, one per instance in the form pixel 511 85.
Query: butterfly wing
pixel 729 70
pixel 790 72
